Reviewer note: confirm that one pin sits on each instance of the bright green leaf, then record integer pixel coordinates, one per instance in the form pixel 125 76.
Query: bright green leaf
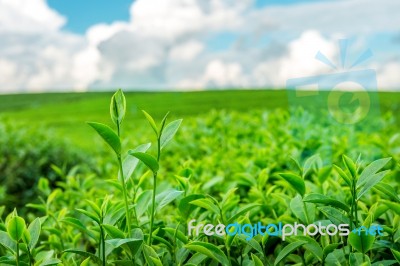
pixel 287 250
pixel 343 175
pixel 361 241
pixel 370 171
pixel 130 163
pixel 206 204
pixel 169 132
pixel 322 199
pixel 295 181
pixel 108 136
pixel 16 227
pixel 350 165
pixel 34 230
pixel 147 159
pixel 371 182
pixel 396 254
pixel 117 107
pixel 151 122
pixel 209 250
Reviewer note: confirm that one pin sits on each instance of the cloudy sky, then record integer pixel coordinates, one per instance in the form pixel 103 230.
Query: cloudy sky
pixel 61 45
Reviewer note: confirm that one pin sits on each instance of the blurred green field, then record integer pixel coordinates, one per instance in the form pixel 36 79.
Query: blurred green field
pixel 66 113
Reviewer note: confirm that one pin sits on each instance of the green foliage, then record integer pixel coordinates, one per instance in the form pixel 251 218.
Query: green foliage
pixel 16 228
pixel 147 159
pixel 108 136
pixel 220 167
pixel 28 153
pixel 362 241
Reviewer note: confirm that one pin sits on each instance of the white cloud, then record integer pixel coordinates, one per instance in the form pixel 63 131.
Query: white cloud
pixel 8 72
pixel 347 17
pixel 165 44
pixel 300 59
pixel 186 51
pixel 217 75
pixel 28 16
pixel 388 76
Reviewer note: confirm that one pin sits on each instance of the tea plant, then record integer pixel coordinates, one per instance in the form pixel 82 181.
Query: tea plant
pixel 224 167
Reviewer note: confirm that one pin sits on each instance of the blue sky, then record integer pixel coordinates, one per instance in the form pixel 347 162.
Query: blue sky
pixel 50 45
pixel 83 14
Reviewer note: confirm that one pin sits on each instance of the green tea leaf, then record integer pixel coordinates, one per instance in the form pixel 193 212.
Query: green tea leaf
pixel 16 227
pixel 256 260
pixel 169 132
pixel 118 107
pixel 295 181
pixel 343 175
pixel 312 162
pixel 7 242
pixel 151 256
pixel 305 212
pixel 108 136
pixel 312 245
pixel 34 230
pixel 322 199
pixel 147 159
pixel 385 263
pixel 166 197
pixel 185 208
pixel 209 250
pixel 196 259
pixel 371 182
pixel 350 165
pixel 75 223
pixel 91 215
pixel 324 173
pixel 362 241
pixel 50 261
pixel 112 244
pixel 151 122
pixel 359 259
pixel 26 237
pixel 396 254
pixel 179 235
pixel 336 258
pixel 206 204
pixel 243 210
pixel 113 231
pixel 85 254
pixel 94 207
pixel 85 262
pixel 287 250
pixel 130 163
pixel 370 171
pixel 394 206
pixel 335 216
pixel 387 190
pixel 251 243
pixel 163 121
pixel 330 248
pixel 142 202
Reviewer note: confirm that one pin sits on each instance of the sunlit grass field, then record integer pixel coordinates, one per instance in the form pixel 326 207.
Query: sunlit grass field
pixel 66 113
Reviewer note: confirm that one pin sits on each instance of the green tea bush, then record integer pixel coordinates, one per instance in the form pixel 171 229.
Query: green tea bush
pixel 219 167
pixel 28 154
